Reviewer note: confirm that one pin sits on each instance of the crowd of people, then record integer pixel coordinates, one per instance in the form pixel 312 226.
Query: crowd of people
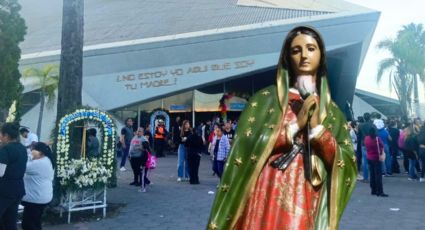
pixel 189 143
pixel 26 177
pixel 379 144
pixel 136 146
pixel 27 169
pixel 211 137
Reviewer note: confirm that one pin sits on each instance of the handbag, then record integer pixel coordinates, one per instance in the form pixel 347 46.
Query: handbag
pixel 151 162
pixel 381 153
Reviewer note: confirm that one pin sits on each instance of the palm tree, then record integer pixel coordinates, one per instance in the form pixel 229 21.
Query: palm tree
pixel 398 77
pixel 413 36
pixel 46 79
pixel 405 66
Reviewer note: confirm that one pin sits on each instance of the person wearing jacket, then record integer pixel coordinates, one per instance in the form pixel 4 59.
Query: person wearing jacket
pixel 394 148
pixel 136 150
pixel 363 132
pixel 385 137
pixel 421 143
pixel 221 149
pixel 13 160
pixel 195 147
pixel 160 135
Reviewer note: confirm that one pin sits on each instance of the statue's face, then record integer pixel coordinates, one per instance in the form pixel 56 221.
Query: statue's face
pixel 305 55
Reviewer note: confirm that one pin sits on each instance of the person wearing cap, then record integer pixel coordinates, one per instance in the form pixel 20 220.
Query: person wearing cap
pixel 160 134
pixel 38 182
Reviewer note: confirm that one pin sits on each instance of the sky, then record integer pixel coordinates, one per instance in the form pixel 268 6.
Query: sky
pixel 394 14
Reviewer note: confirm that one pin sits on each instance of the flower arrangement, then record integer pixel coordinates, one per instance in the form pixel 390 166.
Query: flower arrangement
pixel 223 105
pixel 85 173
pixel 11 117
pixel 82 174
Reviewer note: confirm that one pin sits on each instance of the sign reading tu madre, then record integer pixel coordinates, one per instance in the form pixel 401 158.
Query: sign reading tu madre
pixel 170 77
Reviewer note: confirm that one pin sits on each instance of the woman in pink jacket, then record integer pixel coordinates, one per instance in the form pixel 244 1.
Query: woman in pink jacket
pixel 374 147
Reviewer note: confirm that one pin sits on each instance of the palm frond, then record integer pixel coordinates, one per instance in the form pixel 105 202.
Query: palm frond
pixel 385 44
pixel 50 93
pixel 50 70
pixel 384 65
pixel 46 76
pixel 390 81
pixel 31 72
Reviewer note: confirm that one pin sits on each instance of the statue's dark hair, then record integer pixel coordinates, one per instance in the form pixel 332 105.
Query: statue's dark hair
pixel 286 54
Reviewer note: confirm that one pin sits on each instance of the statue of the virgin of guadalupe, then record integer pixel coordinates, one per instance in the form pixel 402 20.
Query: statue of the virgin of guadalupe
pixel 292 164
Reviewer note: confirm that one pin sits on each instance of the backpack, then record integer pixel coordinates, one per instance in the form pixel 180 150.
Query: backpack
pixel 410 143
pixel 401 139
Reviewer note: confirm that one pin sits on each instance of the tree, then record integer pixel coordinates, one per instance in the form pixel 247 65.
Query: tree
pixel 413 36
pixel 47 80
pixel 405 65
pixel 71 71
pixel 71 62
pixel 12 32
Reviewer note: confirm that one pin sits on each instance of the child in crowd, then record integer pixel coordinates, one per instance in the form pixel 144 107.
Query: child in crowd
pixel 146 165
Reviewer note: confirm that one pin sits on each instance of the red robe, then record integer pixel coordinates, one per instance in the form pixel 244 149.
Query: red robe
pixel 285 199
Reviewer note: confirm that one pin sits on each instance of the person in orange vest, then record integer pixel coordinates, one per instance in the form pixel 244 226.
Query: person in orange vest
pixel 160 135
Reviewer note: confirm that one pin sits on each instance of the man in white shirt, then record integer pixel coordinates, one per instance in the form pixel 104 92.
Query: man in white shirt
pixel 28 139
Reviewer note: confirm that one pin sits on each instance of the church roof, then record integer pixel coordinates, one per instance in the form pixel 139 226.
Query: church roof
pixel 115 21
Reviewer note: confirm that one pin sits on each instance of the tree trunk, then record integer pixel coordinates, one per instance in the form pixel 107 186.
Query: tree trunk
pixel 40 113
pixel 416 95
pixel 403 97
pixel 71 70
pixel 71 63
pixel 404 108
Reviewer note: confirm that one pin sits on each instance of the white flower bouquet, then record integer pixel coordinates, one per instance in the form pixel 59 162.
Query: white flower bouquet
pixel 84 174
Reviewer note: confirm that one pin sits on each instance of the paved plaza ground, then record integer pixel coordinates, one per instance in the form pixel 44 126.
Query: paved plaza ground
pixel 169 205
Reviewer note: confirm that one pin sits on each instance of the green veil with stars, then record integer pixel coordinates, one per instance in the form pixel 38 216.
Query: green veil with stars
pixel 253 144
